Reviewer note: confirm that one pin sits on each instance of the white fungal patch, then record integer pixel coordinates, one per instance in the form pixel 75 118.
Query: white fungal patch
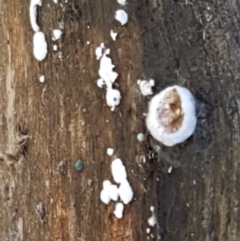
pixel 118 171
pixel 55 47
pixel 109 192
pixel 125 192
pixel 107 76
pixel 113 35
pixel 146 86
pixel 110 151
pixel 171 118
pixel 122 2
pixel 113 98
pixel 33 14
pixel 40 48
pixel 121 16
pixel 100 83
pixel 152 220
pixel 42 79
pixel 99 53
pixel 118 212
pixel 55 1
pixel 57 34
pixel 104 196
pixel 112 192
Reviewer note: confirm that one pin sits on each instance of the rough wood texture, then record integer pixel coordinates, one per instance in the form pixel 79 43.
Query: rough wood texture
pixel 190 43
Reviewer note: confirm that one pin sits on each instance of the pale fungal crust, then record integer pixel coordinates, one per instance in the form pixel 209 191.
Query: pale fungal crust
pixel 171 118
pixel 113 35
pixel 125 192
pixel 33 14
pixel 42 79
pixel 107 76
pixel 40 48
pixel 146 86
pixel 122 2
pixel 110 151
pixel 118 212
pixel 121 16
pixel 57 34
pixel 109 192
pixel 118 171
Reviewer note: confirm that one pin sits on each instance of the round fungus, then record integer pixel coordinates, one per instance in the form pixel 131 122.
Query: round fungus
pixel 140 137
pixel 79 165
pixel 121 16
pixel 171 118
pixel 90 182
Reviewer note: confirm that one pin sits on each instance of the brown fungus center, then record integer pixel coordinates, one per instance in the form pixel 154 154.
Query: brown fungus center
pixel 170 112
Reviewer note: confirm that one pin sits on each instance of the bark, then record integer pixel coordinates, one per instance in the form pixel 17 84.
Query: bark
pixel 190 43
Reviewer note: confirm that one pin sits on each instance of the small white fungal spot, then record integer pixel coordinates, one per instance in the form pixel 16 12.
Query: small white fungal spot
pixel 109 192
pixel 40 48
pixel 60 56
pixel 33 14
pixel 55 47
pixel 140 137
pixel 57 34
pixel 42 79
pixel 118 171
pixel 113 192
pixel 121 16
pixel 148 230
pixel 100 83
pixel 125 192
pixel 118 212
pixel 104 196
pixel 172 117
pixel 152 221
pixel 170 169
pixel 113 97
pixel 110 151
pixel 55 1
pixel 146 86
pixel 99 52
pixel 113 35
pixel 122 2
pixel 88 42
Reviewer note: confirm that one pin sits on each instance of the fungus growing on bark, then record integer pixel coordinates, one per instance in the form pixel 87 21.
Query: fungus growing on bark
pixel 119 208
pixel 40 48
pixel 121 16
pixel 33 14
pixel 171 118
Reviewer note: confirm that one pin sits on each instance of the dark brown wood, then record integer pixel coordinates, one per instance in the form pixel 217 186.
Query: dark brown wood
pixel 190 43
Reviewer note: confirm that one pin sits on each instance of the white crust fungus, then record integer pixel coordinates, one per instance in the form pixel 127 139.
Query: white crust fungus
pixel 110 151
pixel 33 14
pixel 113 35
pixel 121 16
pixel 57 34
pixel 40 48
pixel 125 192
pixel 122 2
pixel 118 212
pixel 107 76
pixel 118 171
pixel 146 86
pixel 171 118
pixel 109 192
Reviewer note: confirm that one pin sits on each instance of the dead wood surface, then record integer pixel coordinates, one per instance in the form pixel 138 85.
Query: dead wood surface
pixel 190 43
